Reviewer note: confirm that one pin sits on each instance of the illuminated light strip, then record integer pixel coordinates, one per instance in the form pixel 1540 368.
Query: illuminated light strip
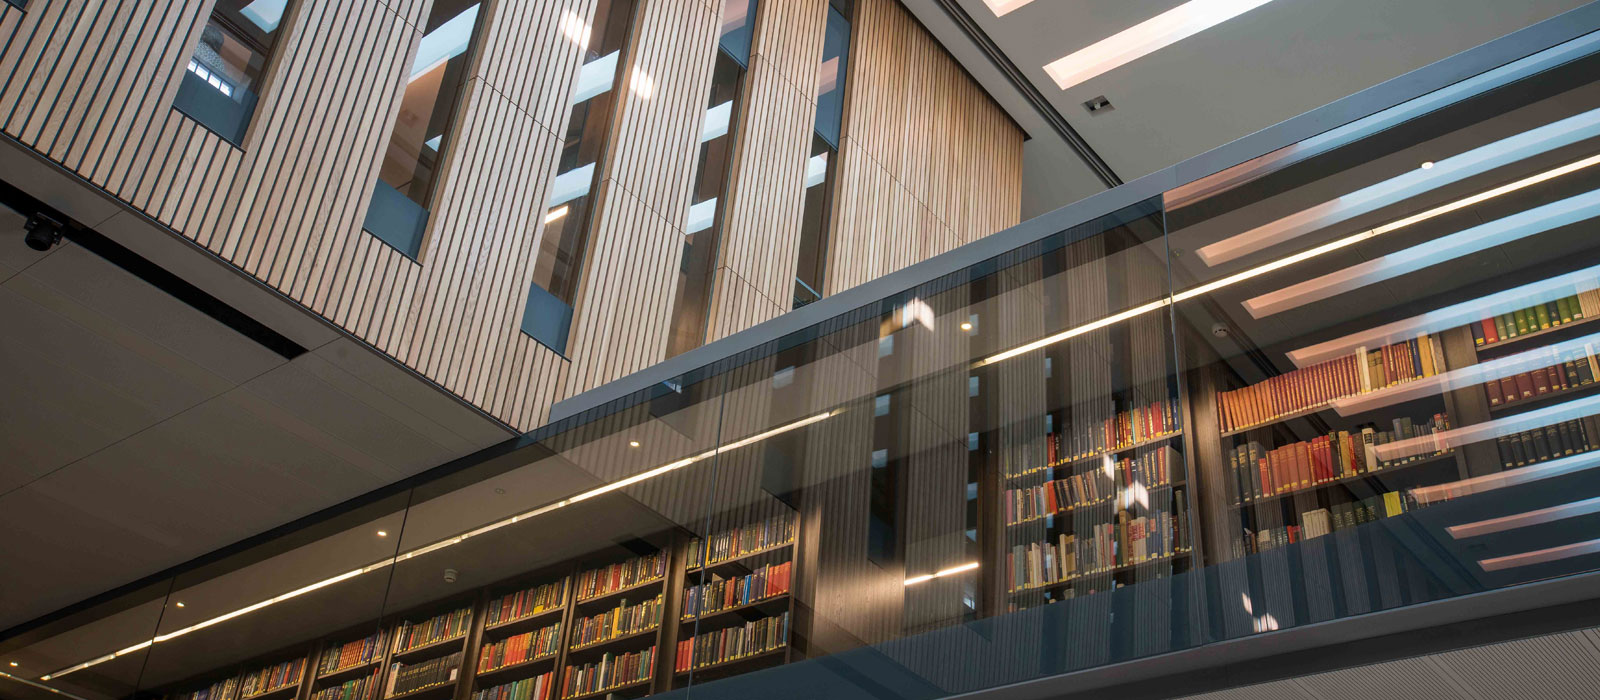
pixel 25 681
pixel 1588 506
pixel 1489 430
pixel 1145 38
pixel 1500 480
pixel 1470 376
pixel 1072 332
pixel 382 563
pixel 1001 8
pixel 1452 316
pixel 1230 178
pixel 1534 142
pixel 1472 240
pixel 914 580
pixel 1542 556
pixel 555 213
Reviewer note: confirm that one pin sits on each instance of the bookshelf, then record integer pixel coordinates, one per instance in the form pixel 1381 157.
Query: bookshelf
pixel 737 603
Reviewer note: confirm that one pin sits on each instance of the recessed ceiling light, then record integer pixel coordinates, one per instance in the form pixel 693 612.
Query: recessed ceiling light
pixel 179 603
pixel 13 664
pixel 1427 165
pixel 1144 38
pixel 966 326
pixel 383 533
pixel 633 443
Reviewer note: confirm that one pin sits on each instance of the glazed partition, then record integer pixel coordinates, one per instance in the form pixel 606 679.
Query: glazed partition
pixel 1350 376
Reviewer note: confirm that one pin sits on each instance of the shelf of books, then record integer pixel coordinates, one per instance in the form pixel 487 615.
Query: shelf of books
pixel 737 599
pixel 519 648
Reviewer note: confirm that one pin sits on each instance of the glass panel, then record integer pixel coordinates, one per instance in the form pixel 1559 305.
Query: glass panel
pixel 831 75
pixel 411 161
pixel 94 654
pixel 738 28
pixel 702 232
pixel 222 80
pixel 568 211
pixel 810 275
pixel 1387 347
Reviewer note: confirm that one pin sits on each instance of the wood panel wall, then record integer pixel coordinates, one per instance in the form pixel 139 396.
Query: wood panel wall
pixel 88 84
pixel 927 164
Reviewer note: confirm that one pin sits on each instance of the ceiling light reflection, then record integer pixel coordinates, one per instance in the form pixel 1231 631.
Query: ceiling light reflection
pixel 1144 38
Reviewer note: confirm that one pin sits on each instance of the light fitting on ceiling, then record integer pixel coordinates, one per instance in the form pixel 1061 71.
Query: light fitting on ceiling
pixel 1144 38
pixel 1001 8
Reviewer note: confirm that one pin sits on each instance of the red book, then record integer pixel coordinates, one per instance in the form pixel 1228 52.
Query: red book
pixel 1541 381
pixel 1525 385
pixel 1489 335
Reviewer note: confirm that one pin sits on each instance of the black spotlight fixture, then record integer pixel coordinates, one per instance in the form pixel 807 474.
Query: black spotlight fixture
pixel 43 232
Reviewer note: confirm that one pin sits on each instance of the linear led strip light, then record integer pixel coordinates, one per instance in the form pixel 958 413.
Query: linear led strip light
pixel 914 580
pixel 1576 349
pixel 586 495
pixel 1439 250
pixel 1143 39
pixel 1453 316
pixel 1414 182
pixel 1211 185
pixel 1542 516
pixel 1542 556
pixel 1001 8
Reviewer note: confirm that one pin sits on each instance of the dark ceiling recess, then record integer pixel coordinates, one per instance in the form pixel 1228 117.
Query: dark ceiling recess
pixel 1029 92
pixel 154 274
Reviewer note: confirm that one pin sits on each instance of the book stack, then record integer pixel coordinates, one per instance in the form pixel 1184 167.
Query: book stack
pixel 274 677
pixel 1536 318
pixel 1549 442
pixel 536 688
pixel 435 629
pixel 526 603
pixel 1558 377
pixel 763 583
pixel 519 648
pixel 721 646
pixel 773 532
pixel 1127 540
pixel 406 678
pixel 1124 429
pixel 1315 386
pixel 220 690
pixel 1323 521
pixel 1259 473
pixel 363 688
pixel 351 654
pixel 1149 469
pixel 611 671
pixel 620 621
pixel 598 582
pixel 1058 496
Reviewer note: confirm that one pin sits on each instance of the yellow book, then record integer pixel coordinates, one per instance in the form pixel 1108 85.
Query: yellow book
pixel 1391 504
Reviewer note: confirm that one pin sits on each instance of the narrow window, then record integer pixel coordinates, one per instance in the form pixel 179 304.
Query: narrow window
pixel 702 233
pixel 222 79
pixel 568 213
pixel 811 273
pixel 398 213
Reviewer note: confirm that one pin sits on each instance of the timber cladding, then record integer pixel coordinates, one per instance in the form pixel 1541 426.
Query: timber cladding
pixel 931 164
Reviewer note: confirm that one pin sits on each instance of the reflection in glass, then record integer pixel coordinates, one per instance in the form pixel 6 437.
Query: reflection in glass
pixel 702 232
pixel 558 264
pixel 811 272
pixel 222 80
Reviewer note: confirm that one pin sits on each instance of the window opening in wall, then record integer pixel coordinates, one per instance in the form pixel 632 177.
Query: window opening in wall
pixel 222 79
pixel 811 271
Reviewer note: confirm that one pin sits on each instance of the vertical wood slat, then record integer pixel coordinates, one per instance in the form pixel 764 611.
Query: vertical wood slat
pixel 88 84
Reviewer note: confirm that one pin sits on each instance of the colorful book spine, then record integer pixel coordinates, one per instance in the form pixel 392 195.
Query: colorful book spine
pixel 363 688
pixel 598 582
pixel 1313 387
pixel 435 629
pixel 1324 521
pixel 526 603
pixel 1262 473
pixel 536 688
pixel 351 654
pixel 611 671
pixel 721 646
pixel 1553 314
pixel 519 648
pixel 775 531
pixel 764 583
pixel 617 622
pixel 271 678
pixel 406 678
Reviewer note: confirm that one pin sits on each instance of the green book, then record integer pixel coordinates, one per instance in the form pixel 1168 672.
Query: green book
pixel 1566 310
pixel 1500 327
pixel 1542 315
pixel 1521 317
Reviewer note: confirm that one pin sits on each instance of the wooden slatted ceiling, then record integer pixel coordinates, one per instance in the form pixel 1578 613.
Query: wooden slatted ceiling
pixel 89 83
pixel 624 308
pixel 761 226
pixel 926 164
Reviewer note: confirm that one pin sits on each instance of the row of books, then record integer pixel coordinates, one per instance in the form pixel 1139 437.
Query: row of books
pixel 1549 442
pixel 363 688
pixel 272 678
pixel 404 678
pixel 434 629
pixel 1536 318
pixel 220 690
pixel 1558 377
pixel 523 603
pixel 619 621
pixel 351 654
pixel 711 648
pixel 1091 487
pixel 772 532
pixel 611 671
pixel 1261 473
pixel 1314 386
pixel 711 596
pixel 535 688
pixel 598 582
pixel 1323 521
pixel 519 648
pixel 1126 428
pixel 1128 540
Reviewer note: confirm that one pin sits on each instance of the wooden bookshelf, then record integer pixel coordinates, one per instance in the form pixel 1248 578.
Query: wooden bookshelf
pixel 419 692
pixel 520 665
pixel 773 604
pixel 424 651
pixel 1403 466
pixel 1176 556
pixel 1164 437
pixel 601 644
pixel 279 691
pixel 612 689
pixel 1542 399
pixel 351 671
pixel 1519 339
pixel 620 592
pixel 527 621
pixel 746 659
pixel 735 560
